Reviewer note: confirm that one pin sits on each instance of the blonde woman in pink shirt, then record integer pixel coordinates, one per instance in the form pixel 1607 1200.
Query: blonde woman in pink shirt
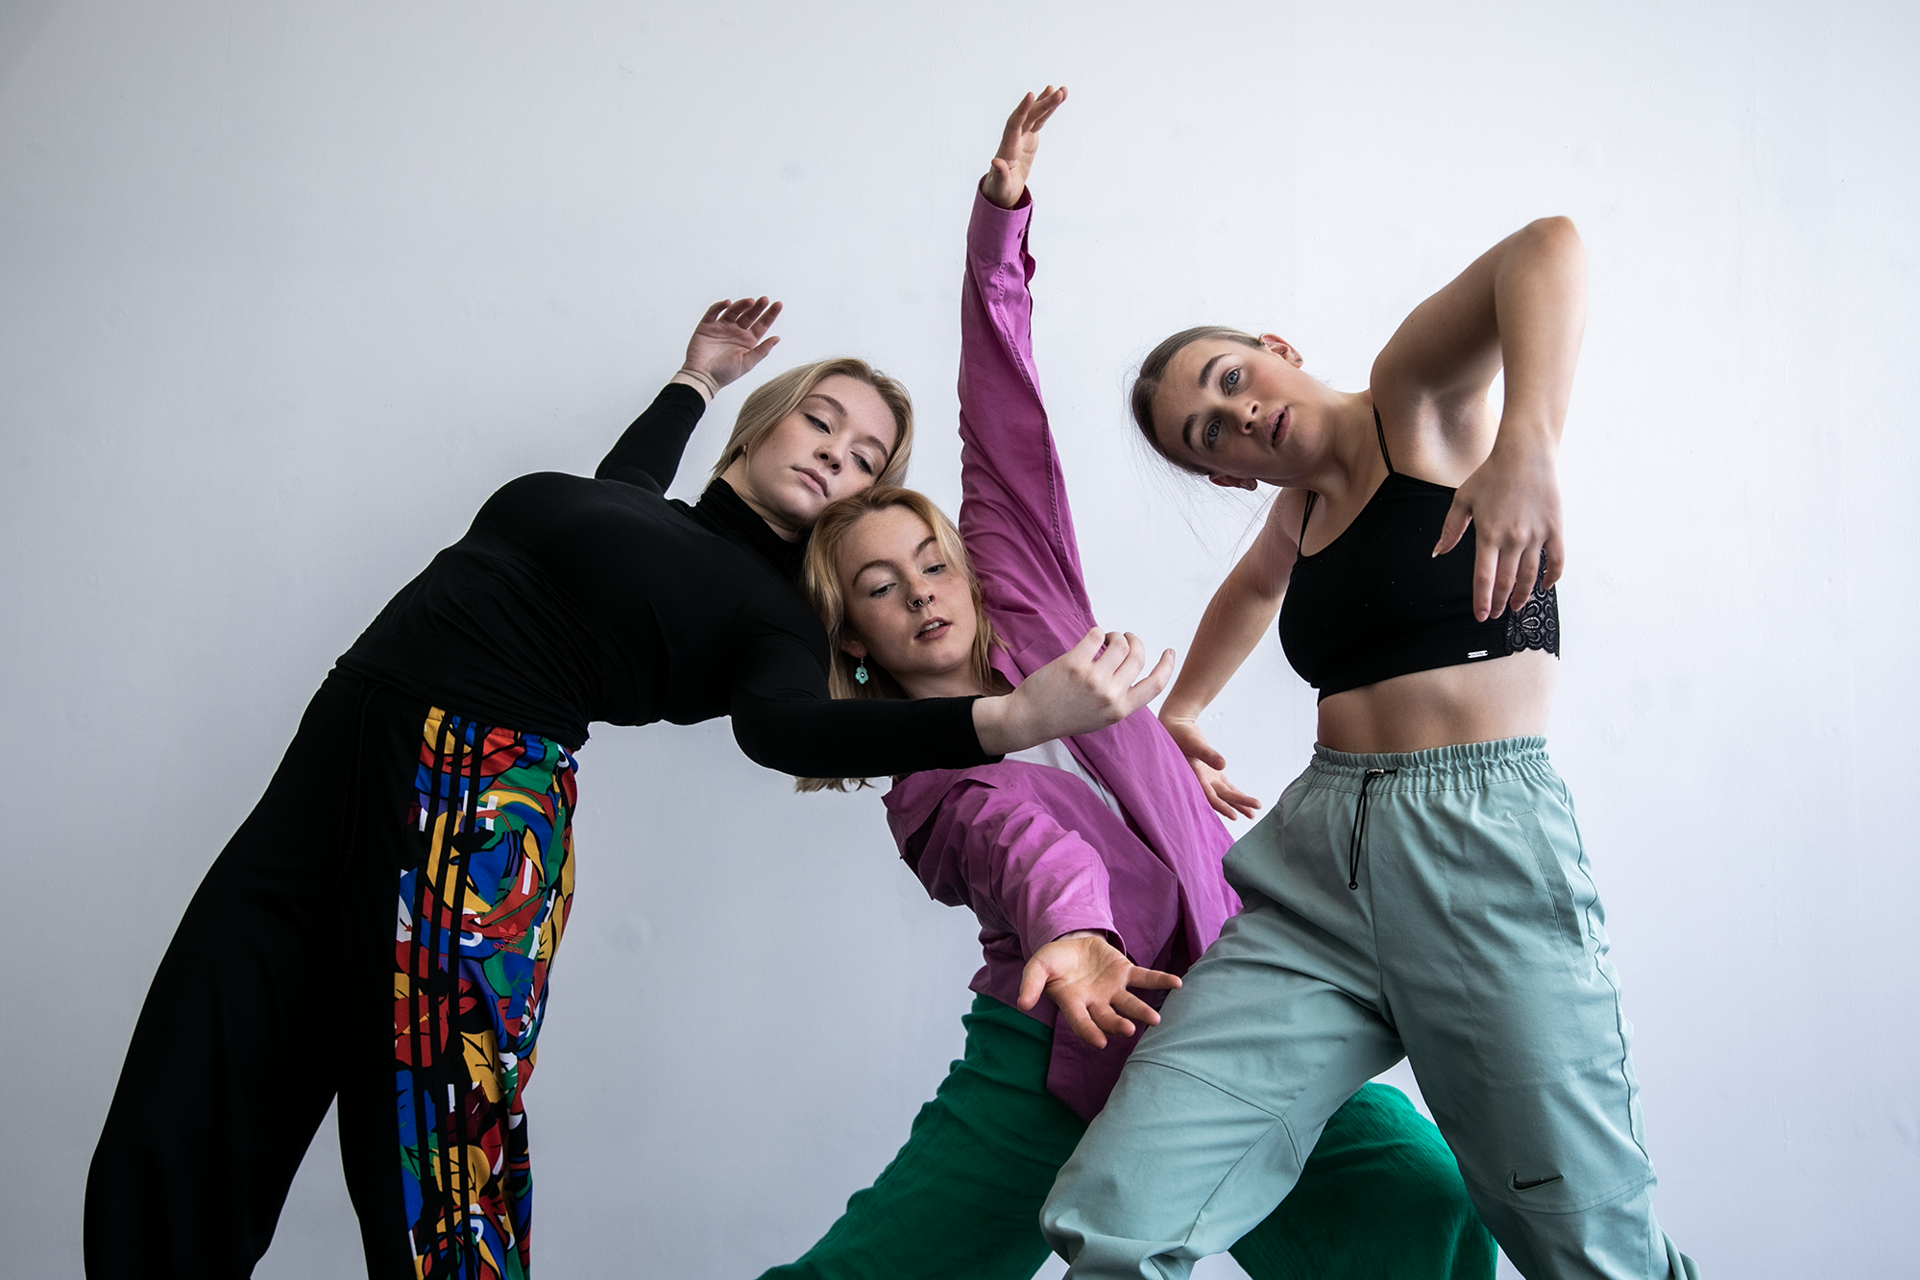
pixel 1092 862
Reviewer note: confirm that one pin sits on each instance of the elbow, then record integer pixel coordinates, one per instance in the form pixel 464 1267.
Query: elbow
pixel 1555 237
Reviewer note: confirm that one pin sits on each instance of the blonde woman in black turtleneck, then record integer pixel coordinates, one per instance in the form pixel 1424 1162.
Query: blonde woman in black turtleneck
pixel 381 926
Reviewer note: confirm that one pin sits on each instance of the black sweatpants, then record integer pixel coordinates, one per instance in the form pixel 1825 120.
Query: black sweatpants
pixel 275 996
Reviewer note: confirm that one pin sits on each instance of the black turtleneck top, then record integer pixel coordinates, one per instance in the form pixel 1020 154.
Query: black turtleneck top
pixel 571 600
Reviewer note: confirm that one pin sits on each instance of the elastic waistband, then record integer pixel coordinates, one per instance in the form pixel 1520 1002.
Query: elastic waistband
pixel 1457 768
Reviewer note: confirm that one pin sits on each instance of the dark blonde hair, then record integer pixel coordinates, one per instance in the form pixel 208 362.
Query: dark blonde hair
pixel 1146 383
pixel 781 394
pixel 822 581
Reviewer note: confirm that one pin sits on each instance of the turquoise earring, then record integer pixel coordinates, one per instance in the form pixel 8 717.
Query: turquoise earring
pixel 860 672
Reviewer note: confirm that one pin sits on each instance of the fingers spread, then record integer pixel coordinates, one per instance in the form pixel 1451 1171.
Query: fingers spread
pixel 1528 573
pixel 1556 562
pixel 1149 689
pixel 1076 1015
pixel 1503 581
pixel 1486 571
pixel 1459 516
pixel 1151 980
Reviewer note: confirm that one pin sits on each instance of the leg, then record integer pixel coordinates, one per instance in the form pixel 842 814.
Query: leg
pixel 1217 1110
pixel 1494 954
pixel 962 1198
pixel 1380 1196
pixel 481 909
pixel 226 1076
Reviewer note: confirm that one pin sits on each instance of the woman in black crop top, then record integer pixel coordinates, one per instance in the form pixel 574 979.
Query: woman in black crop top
pixel 380 928
pixel 1421 890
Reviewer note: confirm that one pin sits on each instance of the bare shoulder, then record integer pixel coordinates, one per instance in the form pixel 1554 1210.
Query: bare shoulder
pixel 1269 561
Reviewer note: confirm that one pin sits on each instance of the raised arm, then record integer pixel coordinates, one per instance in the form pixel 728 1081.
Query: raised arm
pixel 1521 306
pixel 1014 513
pixel 730 339
pixel 1237 616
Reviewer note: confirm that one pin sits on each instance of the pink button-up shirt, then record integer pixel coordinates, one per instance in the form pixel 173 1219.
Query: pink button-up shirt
pixel 1032 849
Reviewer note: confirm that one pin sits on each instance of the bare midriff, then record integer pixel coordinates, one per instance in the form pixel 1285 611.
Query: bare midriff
pixel 1482 702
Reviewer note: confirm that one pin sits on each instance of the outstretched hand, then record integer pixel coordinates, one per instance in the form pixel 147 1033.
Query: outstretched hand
pixel 1006 180
pixel 1085 689
pixel 1087 978
pixel 730 339
pixel 1229 801
pixel 1513 503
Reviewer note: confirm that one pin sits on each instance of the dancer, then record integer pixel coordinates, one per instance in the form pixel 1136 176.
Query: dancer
pixel 382 925
pixel 1422 889
pixel 1074 855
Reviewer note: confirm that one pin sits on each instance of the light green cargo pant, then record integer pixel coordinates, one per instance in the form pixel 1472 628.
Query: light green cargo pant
pixel 1380 1196
pixel 1435 905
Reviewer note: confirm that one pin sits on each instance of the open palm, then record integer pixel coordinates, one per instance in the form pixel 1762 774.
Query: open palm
pixel 731 338
pixel 1006 181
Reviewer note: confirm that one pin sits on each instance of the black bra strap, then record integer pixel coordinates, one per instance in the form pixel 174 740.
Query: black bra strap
pixel 1381 431
pixel 1300 543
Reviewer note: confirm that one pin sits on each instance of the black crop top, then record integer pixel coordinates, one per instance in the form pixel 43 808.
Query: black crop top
pixel 1376 603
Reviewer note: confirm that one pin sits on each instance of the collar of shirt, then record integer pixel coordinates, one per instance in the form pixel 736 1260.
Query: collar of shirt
pixel 727 514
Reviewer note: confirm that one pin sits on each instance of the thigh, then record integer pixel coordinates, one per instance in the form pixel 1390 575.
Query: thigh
pixel 1220 1105
pixel 963 1195
pixel 223 1085
pixel 1510 1009
pixel 1380 1196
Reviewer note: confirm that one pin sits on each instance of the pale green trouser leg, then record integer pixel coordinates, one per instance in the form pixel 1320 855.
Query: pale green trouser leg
pixel 1475 940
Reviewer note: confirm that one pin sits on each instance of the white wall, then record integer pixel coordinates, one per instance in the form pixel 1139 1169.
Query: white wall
pixel 287 289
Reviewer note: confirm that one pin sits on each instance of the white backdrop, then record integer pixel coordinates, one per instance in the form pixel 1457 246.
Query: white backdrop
pixel 287 288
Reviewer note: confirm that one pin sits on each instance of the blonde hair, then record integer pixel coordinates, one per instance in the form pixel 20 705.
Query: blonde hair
pixel 822 581
pixel 780 395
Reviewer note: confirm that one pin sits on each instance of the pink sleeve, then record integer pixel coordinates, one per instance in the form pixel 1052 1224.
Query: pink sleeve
pixel 1013 511
pixel 1006 857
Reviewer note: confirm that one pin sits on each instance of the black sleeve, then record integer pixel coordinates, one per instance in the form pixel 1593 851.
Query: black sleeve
pixel 649 452
pixel 784 719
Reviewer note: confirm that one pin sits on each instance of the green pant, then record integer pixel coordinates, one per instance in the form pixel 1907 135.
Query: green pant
pixel 1379 1197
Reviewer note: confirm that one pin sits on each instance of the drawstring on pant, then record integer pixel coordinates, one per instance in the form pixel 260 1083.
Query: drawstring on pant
pixel 1360 827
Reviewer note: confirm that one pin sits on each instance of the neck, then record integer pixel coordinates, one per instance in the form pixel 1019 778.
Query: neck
pixel 736 477
pixel 957 683
pixel 1348 458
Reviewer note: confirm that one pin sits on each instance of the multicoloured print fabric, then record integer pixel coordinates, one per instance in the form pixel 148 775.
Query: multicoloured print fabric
pixel 480 918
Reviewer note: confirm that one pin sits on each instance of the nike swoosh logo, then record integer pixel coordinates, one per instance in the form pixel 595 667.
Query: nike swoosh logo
pixel 1531 1183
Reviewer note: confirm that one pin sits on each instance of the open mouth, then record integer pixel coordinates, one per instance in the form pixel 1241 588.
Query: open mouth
pixel 1279 431
pixel 933 629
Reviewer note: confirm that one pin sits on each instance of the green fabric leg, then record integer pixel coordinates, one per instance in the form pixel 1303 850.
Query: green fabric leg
pixel 1379 1196
pixel 963 1197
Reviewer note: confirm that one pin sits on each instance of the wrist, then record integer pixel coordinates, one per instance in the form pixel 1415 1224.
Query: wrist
pixel 994 724
pixel 1528 433
pixel 1180 713
pixel 705 383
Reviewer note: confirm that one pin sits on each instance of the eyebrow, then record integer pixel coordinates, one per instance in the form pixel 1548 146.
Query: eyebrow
pixel 888 564
pixel 1186 428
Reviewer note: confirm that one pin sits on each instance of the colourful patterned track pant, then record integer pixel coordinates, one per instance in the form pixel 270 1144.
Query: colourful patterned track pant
pixel 379 929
